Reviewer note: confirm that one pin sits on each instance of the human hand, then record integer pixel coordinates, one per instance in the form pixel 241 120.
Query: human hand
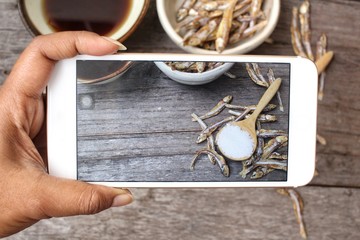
pixel 27 193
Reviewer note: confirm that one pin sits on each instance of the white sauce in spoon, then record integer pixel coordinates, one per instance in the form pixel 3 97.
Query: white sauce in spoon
pixel 234 142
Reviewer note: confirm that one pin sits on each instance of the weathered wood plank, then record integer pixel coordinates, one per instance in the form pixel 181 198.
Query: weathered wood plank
pixel 330 213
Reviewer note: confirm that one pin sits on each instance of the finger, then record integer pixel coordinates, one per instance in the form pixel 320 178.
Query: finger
pixel 31 71
pixel 62 197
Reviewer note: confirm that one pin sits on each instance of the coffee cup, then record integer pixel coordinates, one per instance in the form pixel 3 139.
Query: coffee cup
pixel 116 19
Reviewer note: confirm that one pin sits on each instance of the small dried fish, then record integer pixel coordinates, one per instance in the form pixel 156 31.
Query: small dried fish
pixel 321 85
pixel 268 107
pixel 210 138
pixel 217 109
pixel 280 165
pixel 236 35
pixel 263 118
pixel 251 30
pixel 201 36
pixel 321 47
pixel 269 148
pixel 320 139
pixel 259 75
pixel 183 11
pixel 235 21
pixel 256 76
pixel 302 39
pixel 255 9
pixel 230 75
pixel 296 35
pixel 273 145
pixel 180 66
pixel 305 28
pixel 193 67
pixel 278 156
pixel 298 206
pixel 260 143
pixel 263 133
pixel 271 78
pixel 222 34
pixel 261 172
pixel 219 159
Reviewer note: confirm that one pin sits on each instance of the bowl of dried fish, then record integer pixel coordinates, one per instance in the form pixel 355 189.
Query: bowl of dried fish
pixel 223 26
pixel 193 73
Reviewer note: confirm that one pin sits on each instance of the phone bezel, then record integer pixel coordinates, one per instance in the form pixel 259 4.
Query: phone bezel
pixel 61 118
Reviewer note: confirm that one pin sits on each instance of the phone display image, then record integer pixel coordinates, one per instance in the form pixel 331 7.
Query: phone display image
pixel 144 127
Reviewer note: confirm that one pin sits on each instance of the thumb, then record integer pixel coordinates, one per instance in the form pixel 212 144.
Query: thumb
pixel 31 71
pixel 62 197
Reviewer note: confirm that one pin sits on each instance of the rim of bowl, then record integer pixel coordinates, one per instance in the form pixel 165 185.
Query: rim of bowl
pixel 137 22
pixel 35 32
pixel 222 68
pixel 242 47
pixel 114 74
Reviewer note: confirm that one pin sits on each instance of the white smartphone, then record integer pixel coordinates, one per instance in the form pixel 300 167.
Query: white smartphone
pixel 142 129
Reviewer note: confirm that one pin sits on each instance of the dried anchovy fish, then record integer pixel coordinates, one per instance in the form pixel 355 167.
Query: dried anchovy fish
pixel 193 67
pixel 298 206
pixel 218 108
pixel 261 172
pixel 210 138
pixel 263 118
pixel 268 108
pixel 296 35
pixel 219 159
pixel 272 78
pixel 213 24
pixel 320 139
pixel 304 16
pixel 256 76
pixel 278 156
pixel 222 34
pixel 273 145
pixel 183 11
pixel 264 133
pixel 301 39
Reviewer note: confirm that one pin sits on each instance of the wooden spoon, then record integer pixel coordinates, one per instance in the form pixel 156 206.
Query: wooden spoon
pixel 237 140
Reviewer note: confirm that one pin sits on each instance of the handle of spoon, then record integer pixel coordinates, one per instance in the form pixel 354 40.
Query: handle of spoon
pixel 265 99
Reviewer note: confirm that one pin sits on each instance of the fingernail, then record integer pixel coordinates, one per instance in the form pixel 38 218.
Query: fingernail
pixel 122 200
pixel 119 44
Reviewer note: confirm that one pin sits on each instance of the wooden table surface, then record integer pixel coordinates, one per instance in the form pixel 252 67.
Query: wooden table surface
pixel 332 199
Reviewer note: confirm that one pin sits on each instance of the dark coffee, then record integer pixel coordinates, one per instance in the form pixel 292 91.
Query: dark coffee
pixel 101 16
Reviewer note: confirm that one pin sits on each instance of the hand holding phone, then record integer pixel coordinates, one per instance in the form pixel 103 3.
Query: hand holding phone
pixel 28 192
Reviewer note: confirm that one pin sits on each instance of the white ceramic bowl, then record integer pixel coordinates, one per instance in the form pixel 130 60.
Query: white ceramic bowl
pixel 194 78
pixel 36 21
pixel 167 13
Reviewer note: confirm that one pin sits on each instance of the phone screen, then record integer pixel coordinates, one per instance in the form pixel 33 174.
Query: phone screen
pixel 136 124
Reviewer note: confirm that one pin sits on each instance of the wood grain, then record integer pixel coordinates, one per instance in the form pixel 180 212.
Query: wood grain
pixel 331 201
pixel 331 213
